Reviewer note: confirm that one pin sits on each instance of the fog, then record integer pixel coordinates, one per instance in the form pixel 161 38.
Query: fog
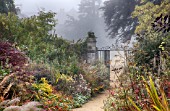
pixel 32 6
pixel 63 8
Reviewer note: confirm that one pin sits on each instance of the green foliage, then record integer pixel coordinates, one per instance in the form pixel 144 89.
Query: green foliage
pixel 157 103
pixel 51 99
pixel 15 85
pixel 148 12
pixel 30 34
pixel 147 48
pixel 73 86
pixel 151 42
pixel 58 102
pixel 117 100
pixel 150 58
pixel 42 70
pixel 3 72
pixel 49 57
pixel 98 77
pixel 79 100
pixel 65 83
pixel 44 86
pixel 118 19
pixel 109 104
pixel 66 56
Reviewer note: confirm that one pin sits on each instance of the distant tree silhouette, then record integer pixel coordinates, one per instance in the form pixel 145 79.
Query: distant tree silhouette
pixel 89 19
pixel 117 14
pixel 7 6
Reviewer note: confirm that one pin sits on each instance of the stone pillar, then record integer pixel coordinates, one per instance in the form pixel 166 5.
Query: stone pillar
pixel 91 48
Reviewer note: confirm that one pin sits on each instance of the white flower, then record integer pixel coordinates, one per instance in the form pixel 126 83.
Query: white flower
pixel 13 108
pixel 13 101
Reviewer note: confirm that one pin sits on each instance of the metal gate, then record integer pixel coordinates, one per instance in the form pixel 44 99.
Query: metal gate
pixel 114 56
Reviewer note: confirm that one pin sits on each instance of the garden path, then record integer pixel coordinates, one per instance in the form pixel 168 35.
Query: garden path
pixel 96 103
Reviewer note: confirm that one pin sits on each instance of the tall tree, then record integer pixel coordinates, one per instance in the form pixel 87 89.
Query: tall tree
pixel 148 12
pixel 117 15
pixel 31 34
pixel 89 19
pixel 89 7
pixel 118 18
pixel 150 40
pixel 7 6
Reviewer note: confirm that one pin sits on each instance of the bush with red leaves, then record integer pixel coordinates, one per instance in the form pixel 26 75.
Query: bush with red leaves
pixel 10 55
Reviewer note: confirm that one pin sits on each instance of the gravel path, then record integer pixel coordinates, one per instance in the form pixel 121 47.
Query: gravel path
pixel 96 103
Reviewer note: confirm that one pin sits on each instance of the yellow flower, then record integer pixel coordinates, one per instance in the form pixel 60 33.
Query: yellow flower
pixel 44 87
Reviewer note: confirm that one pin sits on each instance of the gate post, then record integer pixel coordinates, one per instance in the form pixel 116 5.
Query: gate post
pixel 107 61
pixel 91 48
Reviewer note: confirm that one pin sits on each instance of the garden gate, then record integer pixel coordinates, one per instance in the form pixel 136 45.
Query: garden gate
pixel 108 55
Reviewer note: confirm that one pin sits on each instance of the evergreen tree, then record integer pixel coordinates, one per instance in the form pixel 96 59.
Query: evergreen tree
pixel 89 7
pixel 7 6
pixel 89 19
pixel 118 18
pixel 148 12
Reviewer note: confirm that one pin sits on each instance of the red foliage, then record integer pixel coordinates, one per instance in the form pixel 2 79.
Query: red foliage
pixel 10 55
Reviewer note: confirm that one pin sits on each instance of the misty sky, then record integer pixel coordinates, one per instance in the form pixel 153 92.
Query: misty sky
pixel 31 6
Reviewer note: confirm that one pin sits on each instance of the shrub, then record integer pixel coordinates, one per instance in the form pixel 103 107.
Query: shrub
pixel 117 100
pixel 156 102
pixel 15 85
pixel 43 86
pixel 79 100
pixel 51 99
pixel 98 76
pixel 9 55
pixel 41 70
pixel 71 86
pixel 57 102
pixel 11 105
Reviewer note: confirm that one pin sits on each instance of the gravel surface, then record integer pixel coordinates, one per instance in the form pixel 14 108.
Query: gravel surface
pixel 96 103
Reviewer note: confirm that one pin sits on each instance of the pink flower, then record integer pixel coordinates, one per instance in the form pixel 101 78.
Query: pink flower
pixel 113 104
pixel 136 91
pixel 168 94
pixel 112 93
